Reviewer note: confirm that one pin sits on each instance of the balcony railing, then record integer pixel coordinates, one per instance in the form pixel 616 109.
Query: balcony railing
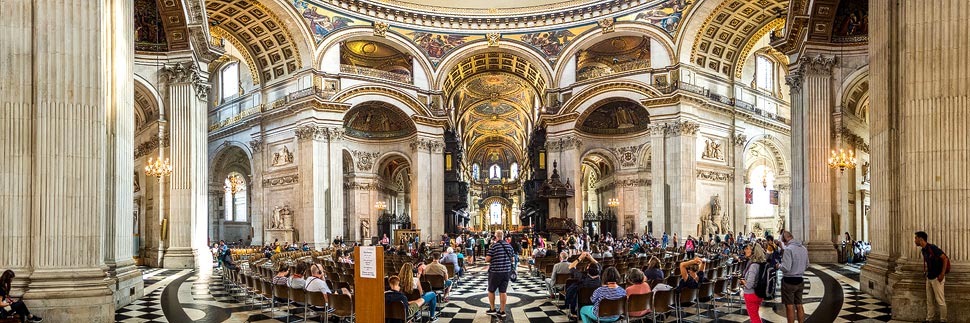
pixel 722 99
pixel 235 118
pixel 613 69
pixel 371 72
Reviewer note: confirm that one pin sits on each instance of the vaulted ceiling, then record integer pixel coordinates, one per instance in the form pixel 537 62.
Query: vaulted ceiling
pixel 260 32
pixel 728 33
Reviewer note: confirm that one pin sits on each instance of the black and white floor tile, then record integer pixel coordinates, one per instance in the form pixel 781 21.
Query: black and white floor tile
pixel 831 295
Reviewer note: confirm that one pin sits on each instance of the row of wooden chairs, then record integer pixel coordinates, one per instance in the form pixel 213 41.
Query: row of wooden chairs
pixel 259 288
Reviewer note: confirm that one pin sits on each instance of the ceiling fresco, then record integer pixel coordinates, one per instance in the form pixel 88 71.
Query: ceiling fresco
pixel 377 120
pixel 851 24
pixel 616 117
pixel 149 31
pixel 324 19
pixel 375 55
pixel 614 55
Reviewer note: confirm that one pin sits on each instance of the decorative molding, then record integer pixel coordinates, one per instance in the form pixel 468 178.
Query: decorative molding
pixel 374 186
pixel 627 155
pixel 428 145
pixel 633 182
pixel 794 82
pixel 364 160
pixel 201 89
pixel 182 72
pixel 256 145
pixel 607 25
pixel 282 157
pixel 818 65
pixel 380 28
pixel 493 39
pixel 145 148
pixel 282 180
pixel 328 134
pixel 714 175
pixel 683 128
pixel 563 143
pixel 855 140
pixel 740 138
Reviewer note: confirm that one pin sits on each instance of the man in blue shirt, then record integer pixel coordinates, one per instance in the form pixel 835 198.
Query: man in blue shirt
pixel 935 264
pixel 499 259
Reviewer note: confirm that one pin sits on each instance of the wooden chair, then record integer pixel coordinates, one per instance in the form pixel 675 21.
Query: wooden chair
pixel 437 283
pixel 686 297
pixel 638 303
pixel 611 307
pixel 343 306
pixel 299 296
pixel 317 300
pixel 398 311
pixel 661 303
pixel 706 295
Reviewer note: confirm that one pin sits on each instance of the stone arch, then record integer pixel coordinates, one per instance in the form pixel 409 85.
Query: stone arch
pixel 467 51
pixel 378 113
pixel 231 157
pixel 723 28
pixel 634 90
pixel 376 92
pixel 392 39
pixel 621 28
pixel 148 103
pixel 612 161
pixel 606 103
pixel 854 96
pixel 389 155
pixel 278 55
pixel 774 146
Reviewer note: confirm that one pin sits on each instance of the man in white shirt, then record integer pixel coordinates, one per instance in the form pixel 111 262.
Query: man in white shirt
pixel 317 284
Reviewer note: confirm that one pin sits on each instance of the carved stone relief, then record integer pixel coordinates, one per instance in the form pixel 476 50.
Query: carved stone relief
pixel 282 218
pixel 282 180
pixel 627 155
pixel 282 157
pixel 714 175
pixel 712 150
pixel 364 160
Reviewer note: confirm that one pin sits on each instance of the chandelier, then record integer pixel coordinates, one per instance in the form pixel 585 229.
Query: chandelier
pixel 235 184
pixel 158 168
pixel 380 205
pixel 613 202
pixel 842 160
pixel 764 179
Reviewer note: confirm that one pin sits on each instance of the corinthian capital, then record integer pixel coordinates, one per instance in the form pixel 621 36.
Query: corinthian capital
pixel 818 65
pixel 794 82
pixel 563 143
pixel 184 72
pixel 683 128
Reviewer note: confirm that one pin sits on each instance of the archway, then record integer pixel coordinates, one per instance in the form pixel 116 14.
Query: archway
pixel 231 214
pixel 393 195
pixel 599 193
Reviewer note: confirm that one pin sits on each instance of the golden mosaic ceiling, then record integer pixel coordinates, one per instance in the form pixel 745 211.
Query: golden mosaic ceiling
pixel 493 110
pixel 495 62
pixel 261 31
pixel 725 33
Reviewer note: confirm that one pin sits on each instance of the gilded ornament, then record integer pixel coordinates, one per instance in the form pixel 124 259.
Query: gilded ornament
pixel 380 29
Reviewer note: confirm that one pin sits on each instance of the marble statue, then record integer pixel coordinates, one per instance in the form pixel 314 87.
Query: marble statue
pixel 781 222
pixel 365 229
pixel 282 157
pixel 281 215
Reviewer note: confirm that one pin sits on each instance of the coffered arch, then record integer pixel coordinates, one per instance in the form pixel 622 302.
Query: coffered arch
pixel 720 41
pixel 261 32
pixel 391 38
pixel 507 56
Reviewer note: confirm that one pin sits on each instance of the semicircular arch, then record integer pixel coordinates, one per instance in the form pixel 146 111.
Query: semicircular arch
pixel 378 120
pixel 377 92
pixel 616 118
pixel 392 39
pixel 621 28
pixel 775 147
pixel 540 73
pixel 631 89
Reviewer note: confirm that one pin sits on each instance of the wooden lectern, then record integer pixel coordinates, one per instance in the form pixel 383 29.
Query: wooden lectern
pixel 369 292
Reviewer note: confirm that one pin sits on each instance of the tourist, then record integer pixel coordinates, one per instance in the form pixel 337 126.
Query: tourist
pixel 676 241
pixel 794 261
pixel 516 250
pixel 588 273
pixel 434 267
pixel 499 261
pixel 608 291
pixel 470 249
pixel 689 246
pixel 451 257
pixel 536 253
pixel 638 286
pixel 9 305
pixel 317 284
pixel 385 241
pixel 937 265
pixel 560 245
pixel 396 296
pixel 653 271
pixel 296 276
pixel 751 275
pixel 695 274
pixel 282 276
pixel 410 283
pixel 561 268
pixel 666 239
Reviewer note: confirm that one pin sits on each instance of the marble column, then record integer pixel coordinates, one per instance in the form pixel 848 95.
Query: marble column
pixel 335 182
pixel 426 193
pixel 188 144
pixel 53 117
pixel 126 281
pixel 737 219
pixel 659 187
pixel 812 107
pixel 257 211
pixel 682 176
pixel 920 151
pixel 311 216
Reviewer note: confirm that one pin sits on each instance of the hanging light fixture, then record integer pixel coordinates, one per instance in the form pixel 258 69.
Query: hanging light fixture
pixel 380 205
pixel 764 179
pixel 235 184
pixel 842 160
pixel 158 168
pixel 613 202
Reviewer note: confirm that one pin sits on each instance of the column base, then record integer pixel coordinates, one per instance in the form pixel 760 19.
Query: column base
pixel 127 285
pixel 69 294
pixel 909 293
pixel 179 258
pixel 874 277
pixel 822 253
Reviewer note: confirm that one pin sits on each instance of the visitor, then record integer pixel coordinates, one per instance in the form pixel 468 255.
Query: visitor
pixel 536 253
pixel 10 305
pixel 434 267
pixel 794 261
pixel 469 248
pixel 317 284
pixel 676 241
pixel 296 276
pixel 516 250
pixel 608 291
pixel 410 283
pixel 695 274
pixel 396 296
pixel 560 268
pixel 689 246
pixel 282 276
pixel 499 261
pixel 937 265
pixel 588 273
pixel 385 241
pixel 638 286
pixel 451 257
pixel 653 271
pixel 666 239
pixel 751 275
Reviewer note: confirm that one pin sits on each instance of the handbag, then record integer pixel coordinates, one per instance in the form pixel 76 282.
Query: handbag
pixel 513 276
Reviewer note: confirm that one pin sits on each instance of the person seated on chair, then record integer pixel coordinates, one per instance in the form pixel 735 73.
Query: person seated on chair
pixel 695 273
pixel 591 279
pixel 561 268
pixel 394 295
pixel 436 268
pixel 410 285
pixel 296 277
pixel 638 285
pixel 10 305
pixel 317 284
pixel 609 291
pixel 653 271
pixel 536 253
pixel 451 257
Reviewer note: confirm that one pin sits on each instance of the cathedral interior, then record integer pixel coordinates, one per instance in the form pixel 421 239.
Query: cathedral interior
pixel 136 135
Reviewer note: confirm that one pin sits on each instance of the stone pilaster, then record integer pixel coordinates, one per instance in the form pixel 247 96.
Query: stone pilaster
pixel 188 156
pixel 258 213
pixel 681 160
pixel 566 152
pixel 313 155
pixel 53 119
pixel 427 193
pixel 658 166
pixel 126 281
pixel 919 148
pixel 738 218
pixel 812 111
pixel 335 182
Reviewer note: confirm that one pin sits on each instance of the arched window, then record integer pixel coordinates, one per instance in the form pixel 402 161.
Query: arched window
pixel 765 73
pixel 230 80
pixel 762 182
pixel 236 203
pixel 495 213
pixel 495 172
pixel 475 171
pixel 514 171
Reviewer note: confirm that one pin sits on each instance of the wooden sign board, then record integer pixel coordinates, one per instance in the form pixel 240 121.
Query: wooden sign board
pixel 369 284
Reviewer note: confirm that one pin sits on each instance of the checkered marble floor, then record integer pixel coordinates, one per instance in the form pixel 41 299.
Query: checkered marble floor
pixel 204 298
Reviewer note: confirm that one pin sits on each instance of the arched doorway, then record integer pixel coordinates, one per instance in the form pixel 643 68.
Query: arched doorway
pixel 230 197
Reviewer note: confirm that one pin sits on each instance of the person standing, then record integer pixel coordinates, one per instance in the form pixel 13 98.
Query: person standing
pixel 751 275
pixel 499 259
pixel 794 261
pixel 666 239
pixel 936 264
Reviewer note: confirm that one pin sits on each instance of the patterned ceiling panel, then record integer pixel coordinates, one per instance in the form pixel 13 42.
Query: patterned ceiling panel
pixel 173 18
pixel 262 33
pixel 729 28
pixel 495 61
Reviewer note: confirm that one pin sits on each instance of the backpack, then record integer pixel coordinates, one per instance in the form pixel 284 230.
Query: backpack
pixel 764 280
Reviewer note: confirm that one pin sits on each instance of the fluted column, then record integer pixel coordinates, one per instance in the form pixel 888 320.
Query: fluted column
pixel 738 216
pixel 682 176
pixel 812 112
pixel 53 120
pixel 188 187
pixel 919 150
pixel 313 156
pixel 658 167
pixel 335 182
pixel 257 211
pixel 118 243
pixel 427 170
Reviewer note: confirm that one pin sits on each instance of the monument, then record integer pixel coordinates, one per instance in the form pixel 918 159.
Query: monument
pixel 281 226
